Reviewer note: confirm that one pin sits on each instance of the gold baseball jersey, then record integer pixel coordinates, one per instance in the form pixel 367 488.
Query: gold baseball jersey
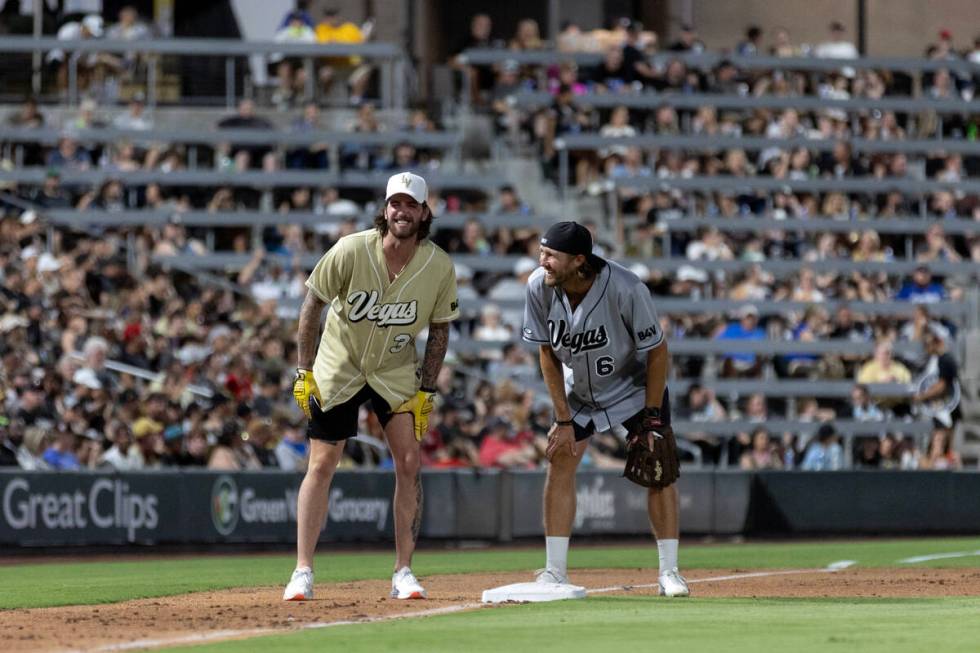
pixel 371 326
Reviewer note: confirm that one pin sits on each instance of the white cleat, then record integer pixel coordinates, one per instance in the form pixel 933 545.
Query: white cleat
pixel 404 585
pixel 550 576
pixel 672 584
pixel 300 587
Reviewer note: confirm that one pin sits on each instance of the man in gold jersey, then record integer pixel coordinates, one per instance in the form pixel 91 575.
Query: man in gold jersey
pixel 383 286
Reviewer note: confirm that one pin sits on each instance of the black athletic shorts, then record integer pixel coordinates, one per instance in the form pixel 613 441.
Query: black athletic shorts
pixel 583 432
pixel 340 422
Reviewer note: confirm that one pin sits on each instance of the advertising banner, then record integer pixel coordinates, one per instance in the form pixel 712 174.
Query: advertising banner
pixel 183 507
pixel 67 508
pixel 608 504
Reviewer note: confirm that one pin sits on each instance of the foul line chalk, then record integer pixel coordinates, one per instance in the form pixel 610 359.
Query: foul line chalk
pixel 200 638
pixel 196 638
pixel 939 556
pixel 716 579
pixel 218 635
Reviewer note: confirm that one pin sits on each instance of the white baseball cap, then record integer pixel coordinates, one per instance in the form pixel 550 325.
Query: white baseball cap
pixel 93 22
pixel 409 184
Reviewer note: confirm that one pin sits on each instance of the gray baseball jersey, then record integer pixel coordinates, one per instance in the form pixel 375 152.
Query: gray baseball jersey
pixel 602 344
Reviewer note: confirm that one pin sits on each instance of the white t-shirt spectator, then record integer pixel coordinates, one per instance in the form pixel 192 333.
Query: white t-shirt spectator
pixel 72 31
pixel 613 131
pixel 138 31
pixel 292 34
pixel 128 120
pixel 836 50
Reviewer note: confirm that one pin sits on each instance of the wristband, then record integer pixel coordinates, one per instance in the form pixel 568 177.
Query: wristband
pixel 564 422
pixel 653 412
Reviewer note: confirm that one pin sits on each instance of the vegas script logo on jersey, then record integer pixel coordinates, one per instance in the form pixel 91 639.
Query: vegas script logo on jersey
pixel 584 341
pixel 364 306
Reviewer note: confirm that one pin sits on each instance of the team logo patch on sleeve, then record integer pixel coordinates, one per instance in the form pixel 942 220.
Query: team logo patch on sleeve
pixel 649 332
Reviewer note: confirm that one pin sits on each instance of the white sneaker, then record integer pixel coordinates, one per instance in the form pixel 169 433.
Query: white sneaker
pixel 300 587
pixel 552 576
pixel 673 584
pixel 404 585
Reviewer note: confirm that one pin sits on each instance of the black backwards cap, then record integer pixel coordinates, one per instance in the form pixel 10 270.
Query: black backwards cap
pixel 572 238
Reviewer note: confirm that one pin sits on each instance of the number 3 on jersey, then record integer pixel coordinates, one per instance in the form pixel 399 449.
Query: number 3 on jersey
pixel 604 365
pixel 401 340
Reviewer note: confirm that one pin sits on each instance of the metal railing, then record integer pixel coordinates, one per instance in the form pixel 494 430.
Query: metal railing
pixel 73 217
pixel 147 375
pixel 823 185
pixel 565 144
pixel 248 178
pixel 505 263
pixel 219 135
pixel 903 225
pixel 703 143
pixel 694 101
pixel 846 427
pixel 450 142
pixel 392 58
pixel 707 60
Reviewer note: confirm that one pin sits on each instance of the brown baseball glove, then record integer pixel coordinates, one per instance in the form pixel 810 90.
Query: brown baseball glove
pixel 651 451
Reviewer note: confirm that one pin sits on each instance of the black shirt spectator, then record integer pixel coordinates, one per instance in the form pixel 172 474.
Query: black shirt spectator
pixel 246 119
pixel 688 41
pixel 29 117
pixel 938 387
pixel 481 27
pixel 52 195
pixel 613 73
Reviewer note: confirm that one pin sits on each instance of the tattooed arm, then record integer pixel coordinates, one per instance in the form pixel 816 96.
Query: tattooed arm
pixel 309 330
pixel 417 519
pixel 435 352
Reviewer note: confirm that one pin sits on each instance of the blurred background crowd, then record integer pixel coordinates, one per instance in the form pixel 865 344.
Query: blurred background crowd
pixel 112 360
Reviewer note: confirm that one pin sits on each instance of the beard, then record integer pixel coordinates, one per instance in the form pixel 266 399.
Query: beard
pixel 403 232
pixel 554 279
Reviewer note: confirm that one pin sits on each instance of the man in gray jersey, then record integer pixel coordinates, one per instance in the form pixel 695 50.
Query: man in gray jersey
pixel 604 359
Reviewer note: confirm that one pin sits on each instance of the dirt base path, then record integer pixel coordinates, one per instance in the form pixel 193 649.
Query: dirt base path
pixel 242 613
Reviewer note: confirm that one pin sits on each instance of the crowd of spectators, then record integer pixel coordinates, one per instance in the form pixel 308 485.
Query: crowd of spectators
pixel 109 77
pixel 213 366
pixel 71 153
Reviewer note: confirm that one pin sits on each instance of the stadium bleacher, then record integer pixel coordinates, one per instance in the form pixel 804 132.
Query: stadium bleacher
pixel 184 266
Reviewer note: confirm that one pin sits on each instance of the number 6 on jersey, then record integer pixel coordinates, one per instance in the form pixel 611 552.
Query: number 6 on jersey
pixel 604 366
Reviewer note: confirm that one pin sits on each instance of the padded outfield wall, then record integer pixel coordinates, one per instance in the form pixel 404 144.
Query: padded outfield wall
pixel 198 507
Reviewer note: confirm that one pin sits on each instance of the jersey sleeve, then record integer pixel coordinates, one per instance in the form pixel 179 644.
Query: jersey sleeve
pixel 446 308
pixel 535 328
pixel 332 271
pixel 641 318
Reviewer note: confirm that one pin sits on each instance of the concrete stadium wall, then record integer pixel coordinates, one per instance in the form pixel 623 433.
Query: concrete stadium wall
pixel 198 507
pixel 894 27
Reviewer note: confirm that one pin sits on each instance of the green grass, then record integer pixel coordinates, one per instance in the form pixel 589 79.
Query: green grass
pixel 106 582
pixel 648 624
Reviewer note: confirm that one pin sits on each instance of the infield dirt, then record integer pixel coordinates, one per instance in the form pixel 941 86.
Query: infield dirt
pixel 247 612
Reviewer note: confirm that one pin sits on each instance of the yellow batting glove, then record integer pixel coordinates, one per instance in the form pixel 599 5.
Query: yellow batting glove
pixel 304 387
pixel 419 406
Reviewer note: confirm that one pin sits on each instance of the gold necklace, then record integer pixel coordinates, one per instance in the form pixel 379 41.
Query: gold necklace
pixel 395 275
